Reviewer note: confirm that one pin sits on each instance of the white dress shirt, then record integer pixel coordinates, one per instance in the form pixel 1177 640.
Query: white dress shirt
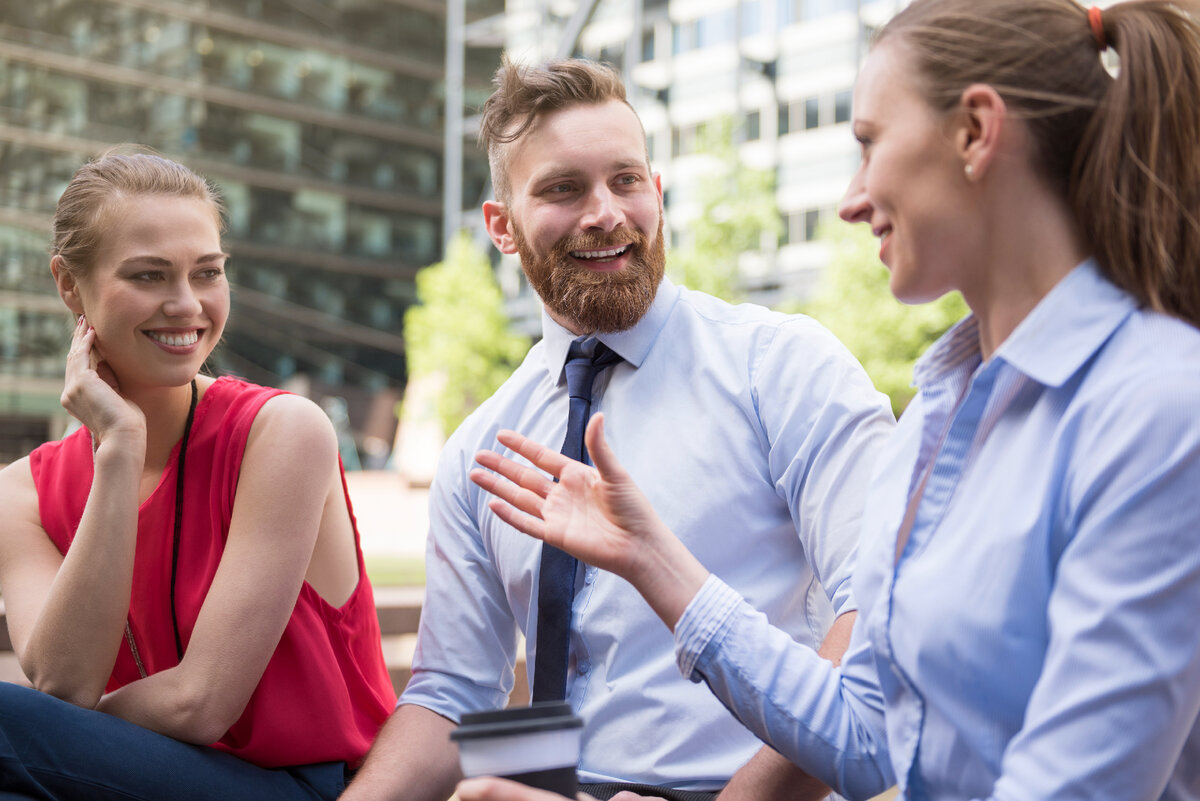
pixel 752 432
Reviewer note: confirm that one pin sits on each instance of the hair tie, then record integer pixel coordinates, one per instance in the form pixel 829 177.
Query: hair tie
pixel 1097 23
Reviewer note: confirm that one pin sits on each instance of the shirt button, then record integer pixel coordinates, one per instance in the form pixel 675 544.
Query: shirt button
pixel 583 667
pixel 589 575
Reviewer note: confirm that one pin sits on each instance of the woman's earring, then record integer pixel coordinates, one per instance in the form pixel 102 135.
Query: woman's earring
pixel 970 171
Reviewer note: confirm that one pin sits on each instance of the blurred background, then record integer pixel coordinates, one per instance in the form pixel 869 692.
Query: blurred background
pixel 342 135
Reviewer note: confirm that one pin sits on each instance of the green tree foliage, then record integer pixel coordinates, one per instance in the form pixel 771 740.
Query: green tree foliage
pixel 737 210
pixel 854 302
pixel 459 330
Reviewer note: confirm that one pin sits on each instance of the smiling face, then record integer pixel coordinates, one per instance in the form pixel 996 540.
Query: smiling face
pixel 910 186
pixel 156 293
pixel 585 215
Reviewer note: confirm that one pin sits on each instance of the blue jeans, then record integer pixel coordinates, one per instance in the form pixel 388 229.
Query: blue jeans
pixel 55 751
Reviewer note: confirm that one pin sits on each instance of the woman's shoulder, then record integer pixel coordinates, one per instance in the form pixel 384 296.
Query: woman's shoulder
pixel 291 421
pixel 229 390
pixel 1151 349
pixel 16 480
pixel 235 417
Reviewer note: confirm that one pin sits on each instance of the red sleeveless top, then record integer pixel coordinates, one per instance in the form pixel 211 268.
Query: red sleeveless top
pixel 325 691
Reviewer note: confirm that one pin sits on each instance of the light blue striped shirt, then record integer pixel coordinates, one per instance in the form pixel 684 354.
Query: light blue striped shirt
pixel 753 433
pixel 1039 637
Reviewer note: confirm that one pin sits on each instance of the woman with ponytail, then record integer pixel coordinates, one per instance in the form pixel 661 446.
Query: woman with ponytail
pixel 1029 571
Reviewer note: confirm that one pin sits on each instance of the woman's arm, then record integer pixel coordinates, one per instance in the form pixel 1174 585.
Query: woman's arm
pixel 67 614
pixel 596 514
pixel 829 723
pixel 287 473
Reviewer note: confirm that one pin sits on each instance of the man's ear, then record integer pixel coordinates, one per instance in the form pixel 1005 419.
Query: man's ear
pixel 980 122
pixel 68 285
pixel 499 227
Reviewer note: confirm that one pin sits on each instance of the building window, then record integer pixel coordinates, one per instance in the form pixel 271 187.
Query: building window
pixel 801 226
pixel 683 37
pixel 812 113
pixel 648 46
pixel 716 29
pixel 841 106
pixel 753 126
pixel 818 111
pixel 812 218
pixel 613 55
pixel 785 12
pixel 752 14
pixel 708 31
pixel 685 139
pixel 815 9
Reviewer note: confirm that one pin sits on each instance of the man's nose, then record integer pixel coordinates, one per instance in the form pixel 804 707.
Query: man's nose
pixel 602 211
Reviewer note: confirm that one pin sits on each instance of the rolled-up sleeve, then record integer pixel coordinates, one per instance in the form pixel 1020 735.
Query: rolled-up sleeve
pixel 828 721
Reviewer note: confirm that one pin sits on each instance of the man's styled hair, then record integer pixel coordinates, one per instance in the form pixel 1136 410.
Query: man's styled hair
pixel 525 91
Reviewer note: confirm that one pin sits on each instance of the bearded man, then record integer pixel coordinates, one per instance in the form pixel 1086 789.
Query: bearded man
pixel 752 432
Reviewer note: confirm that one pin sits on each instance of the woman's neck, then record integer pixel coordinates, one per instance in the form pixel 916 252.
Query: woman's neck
pixel 166 410
pixel 1030 246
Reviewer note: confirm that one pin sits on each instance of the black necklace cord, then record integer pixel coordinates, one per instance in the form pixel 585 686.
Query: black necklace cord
pixel 187 431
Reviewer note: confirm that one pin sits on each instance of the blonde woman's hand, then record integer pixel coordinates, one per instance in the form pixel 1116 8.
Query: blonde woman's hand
pixel 92 395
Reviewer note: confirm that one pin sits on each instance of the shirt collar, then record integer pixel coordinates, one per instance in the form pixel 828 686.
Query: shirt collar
pixel 632 345
pixel 1054 340
pixel 1067 326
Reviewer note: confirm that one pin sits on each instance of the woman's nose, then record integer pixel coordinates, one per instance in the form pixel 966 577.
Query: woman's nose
pixel 182 300
pixel 855 205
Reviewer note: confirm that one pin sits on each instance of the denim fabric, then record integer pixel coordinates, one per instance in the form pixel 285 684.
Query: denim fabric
pixel 55 751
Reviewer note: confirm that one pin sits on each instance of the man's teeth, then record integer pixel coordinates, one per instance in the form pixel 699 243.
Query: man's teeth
pixel 599 254
pixel 175 340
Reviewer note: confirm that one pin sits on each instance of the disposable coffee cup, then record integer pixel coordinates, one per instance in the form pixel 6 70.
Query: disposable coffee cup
pixel 537 745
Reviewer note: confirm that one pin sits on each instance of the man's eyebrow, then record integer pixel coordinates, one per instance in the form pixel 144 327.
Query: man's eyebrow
pixel 631 164
pixel 564 173
pixel 556 174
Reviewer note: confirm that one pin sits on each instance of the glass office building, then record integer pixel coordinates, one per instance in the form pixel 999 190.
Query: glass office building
pixel 322 123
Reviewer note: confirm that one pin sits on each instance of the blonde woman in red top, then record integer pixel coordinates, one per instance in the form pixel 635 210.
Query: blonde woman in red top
pixel 182 575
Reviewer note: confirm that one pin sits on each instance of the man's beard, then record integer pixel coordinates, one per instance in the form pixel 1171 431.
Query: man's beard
pixel 596 300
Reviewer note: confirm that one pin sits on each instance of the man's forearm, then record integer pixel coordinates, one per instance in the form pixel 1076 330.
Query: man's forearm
pixel 769 775
pixel 412 759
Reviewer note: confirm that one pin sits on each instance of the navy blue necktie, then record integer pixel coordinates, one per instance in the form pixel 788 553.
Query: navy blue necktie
pixel 556 584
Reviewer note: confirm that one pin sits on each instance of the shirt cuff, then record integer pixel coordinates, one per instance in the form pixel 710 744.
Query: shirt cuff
pixel 703 621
